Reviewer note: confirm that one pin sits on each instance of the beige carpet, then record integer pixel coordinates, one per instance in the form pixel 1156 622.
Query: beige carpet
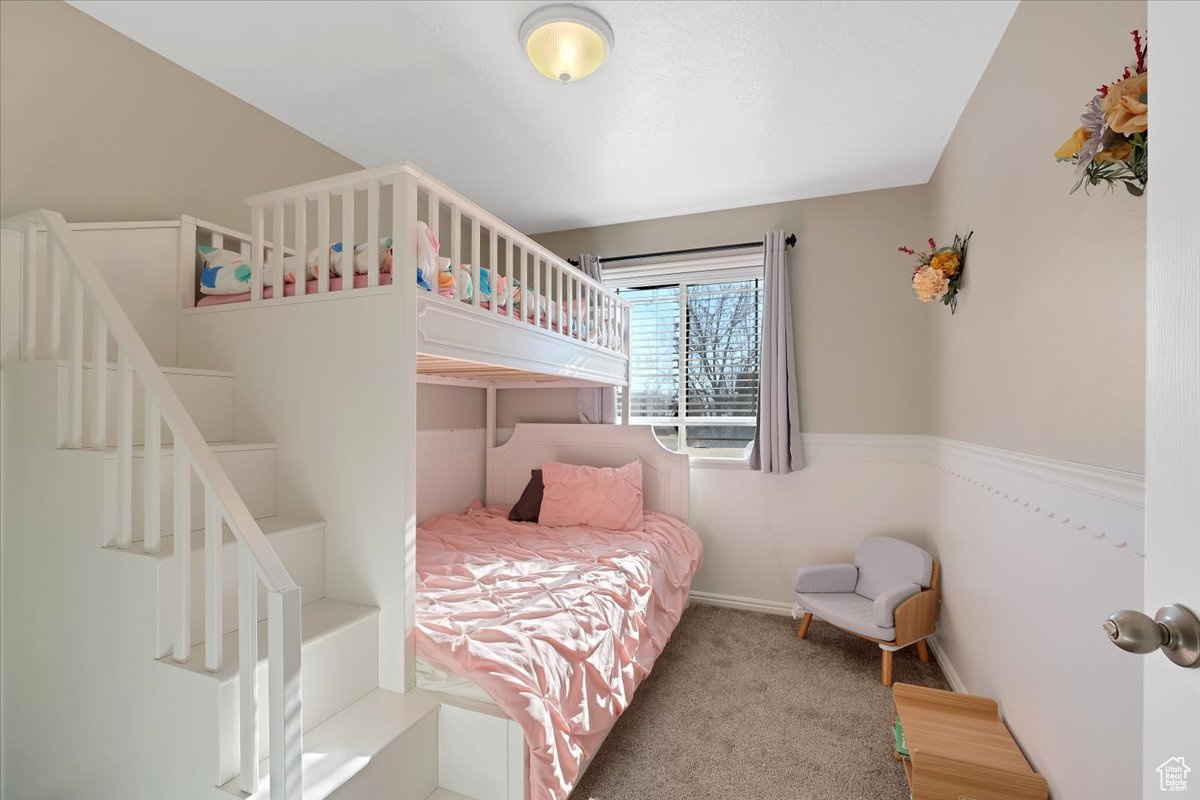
pixel 738 709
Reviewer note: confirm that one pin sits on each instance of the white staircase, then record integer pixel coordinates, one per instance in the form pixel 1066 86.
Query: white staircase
pixel 154 638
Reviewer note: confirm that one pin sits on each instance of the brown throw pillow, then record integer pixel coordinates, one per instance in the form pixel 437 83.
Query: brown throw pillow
pixel 530 504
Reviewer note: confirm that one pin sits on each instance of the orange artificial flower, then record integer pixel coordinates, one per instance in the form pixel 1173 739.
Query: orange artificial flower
pixel 1125 104
pixel 945 262
pixel 1072 146
pixel 1118 152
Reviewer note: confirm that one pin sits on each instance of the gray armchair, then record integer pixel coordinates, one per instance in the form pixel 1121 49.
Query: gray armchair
pixel 889 595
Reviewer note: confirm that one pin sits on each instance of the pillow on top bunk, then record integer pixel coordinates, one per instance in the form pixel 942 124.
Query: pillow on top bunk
pixel 600 497
pixel 530 505
pixel 312 261
pixel 427 254
pixel 223 271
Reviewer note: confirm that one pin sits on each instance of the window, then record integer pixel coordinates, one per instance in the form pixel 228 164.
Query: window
pixel 694 339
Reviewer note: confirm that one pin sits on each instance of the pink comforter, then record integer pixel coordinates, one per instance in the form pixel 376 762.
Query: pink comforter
pixel 557 625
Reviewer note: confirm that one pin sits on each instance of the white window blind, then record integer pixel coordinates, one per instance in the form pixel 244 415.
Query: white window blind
pixel 695 343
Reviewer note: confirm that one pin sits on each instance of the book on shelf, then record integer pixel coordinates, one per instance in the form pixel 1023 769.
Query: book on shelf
pixel 901 745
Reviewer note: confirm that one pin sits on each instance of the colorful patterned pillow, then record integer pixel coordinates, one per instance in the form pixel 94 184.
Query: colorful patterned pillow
pixel 223 271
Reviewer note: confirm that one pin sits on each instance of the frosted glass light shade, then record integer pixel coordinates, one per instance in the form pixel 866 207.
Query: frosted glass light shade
pixel 566 42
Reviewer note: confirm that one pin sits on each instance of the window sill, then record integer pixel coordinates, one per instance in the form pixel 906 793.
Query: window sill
pixel 712 462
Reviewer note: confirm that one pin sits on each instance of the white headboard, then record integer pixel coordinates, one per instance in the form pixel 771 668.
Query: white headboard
pixel 665 475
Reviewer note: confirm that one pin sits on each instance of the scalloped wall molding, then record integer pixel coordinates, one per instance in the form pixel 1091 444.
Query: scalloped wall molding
pixel 1107 505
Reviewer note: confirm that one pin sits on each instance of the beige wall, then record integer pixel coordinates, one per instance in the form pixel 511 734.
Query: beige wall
pixel 858 332
pixel 1047 352
pixel 450 407
pixel 1045 355
pixel 101 129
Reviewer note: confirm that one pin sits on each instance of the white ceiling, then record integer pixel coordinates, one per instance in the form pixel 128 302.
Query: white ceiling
pixel 701 106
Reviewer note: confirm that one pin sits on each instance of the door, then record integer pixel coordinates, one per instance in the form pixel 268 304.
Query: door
pixel 1171 715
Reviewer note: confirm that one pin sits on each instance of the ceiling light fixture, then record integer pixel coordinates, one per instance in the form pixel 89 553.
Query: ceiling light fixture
pixel 566 42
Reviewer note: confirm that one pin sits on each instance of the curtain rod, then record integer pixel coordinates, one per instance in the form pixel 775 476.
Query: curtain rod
pixel 790 240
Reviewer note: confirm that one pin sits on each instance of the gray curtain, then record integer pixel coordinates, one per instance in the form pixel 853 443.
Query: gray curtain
pixel 777 438
pixel 590 265
pixel 598 405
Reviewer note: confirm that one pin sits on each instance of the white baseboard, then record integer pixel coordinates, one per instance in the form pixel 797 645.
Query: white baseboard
pixel 947 668
pixel 742 603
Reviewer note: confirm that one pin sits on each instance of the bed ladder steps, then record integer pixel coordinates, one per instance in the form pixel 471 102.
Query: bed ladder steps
pixel 250 466
pixel 340 654
pixel 382 746
pixel 300 544
pixel 91 438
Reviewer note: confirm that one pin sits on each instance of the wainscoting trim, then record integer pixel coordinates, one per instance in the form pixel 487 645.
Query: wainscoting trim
pixel 1106 504
pixel 451 464
pixel 742 603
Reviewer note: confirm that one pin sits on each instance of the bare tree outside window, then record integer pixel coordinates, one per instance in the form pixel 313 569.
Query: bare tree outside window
pixel 715 332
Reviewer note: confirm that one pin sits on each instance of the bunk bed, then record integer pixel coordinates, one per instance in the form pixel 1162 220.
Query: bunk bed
pixel 490 308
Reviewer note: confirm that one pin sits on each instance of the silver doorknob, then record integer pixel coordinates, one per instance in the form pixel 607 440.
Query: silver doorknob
pixel 1175 630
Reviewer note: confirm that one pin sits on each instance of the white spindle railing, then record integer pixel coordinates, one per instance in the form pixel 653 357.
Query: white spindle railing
pixel 66 264
pixel 555 297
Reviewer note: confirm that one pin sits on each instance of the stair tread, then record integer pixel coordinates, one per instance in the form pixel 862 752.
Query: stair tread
pixel 139 451
pixel 318 619
pixel 342 745
pixel 210 373
pixel 278 525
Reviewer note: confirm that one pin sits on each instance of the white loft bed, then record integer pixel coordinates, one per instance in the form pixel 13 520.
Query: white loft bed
pixel 577 333
pixel 584 341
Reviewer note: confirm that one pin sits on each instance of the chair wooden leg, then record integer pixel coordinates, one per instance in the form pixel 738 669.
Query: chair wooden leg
pixel 923 652
pixel 802 631
pixel 887 668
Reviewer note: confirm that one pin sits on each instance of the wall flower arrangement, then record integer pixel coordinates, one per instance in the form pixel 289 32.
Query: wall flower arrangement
pixel 938 274
pixel 1110 147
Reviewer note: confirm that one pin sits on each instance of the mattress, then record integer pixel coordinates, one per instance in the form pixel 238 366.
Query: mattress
pixel 289 290
pixel 436 679
pixel 385 279
pixel 555 626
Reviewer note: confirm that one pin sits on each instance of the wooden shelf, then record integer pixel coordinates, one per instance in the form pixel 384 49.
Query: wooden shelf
pixel 959 747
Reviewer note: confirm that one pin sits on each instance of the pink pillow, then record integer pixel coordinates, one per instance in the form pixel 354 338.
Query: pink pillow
pixel 600 497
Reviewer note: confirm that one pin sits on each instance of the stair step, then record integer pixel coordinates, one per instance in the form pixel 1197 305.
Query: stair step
pixel 270 526
pixel 212 373
pixel 340 657
pixel 217 447
pixel 206 394
pixel 383 745
pixel 215 373
pixel 320 619
pixel 250 465
pixel 299 543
